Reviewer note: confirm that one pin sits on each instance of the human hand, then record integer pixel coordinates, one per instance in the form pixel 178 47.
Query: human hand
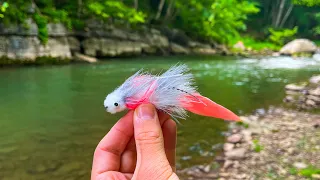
pixel 141 145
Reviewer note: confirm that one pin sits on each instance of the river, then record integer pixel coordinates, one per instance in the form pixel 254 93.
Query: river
pixel 51 118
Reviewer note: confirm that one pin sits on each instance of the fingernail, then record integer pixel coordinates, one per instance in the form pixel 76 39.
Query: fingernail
pixel 146 112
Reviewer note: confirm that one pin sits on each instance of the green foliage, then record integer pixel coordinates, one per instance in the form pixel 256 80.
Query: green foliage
pixel 256 146
pixel 293 171
pixel 281 36
pixel 307 2
pixel 15 12
pixel 3 8
pixel 116 10
pixel 58 16
pixel 250 42
pixel 42 22
pixel 309 171
pixel 219 20
pixel 241 123
pixel 306 172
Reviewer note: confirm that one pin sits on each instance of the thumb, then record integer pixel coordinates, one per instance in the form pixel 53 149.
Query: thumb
pixel 152 162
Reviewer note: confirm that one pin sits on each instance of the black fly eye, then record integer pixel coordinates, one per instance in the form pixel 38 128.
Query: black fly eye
pixel 116 104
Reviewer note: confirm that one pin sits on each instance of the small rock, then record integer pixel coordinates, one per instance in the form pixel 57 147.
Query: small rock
pixel 224 174
pixel 239 45
pixel 236 164
pixel 235 138
pixel 244 118
pixel 260 112
pixel 316 123
pixel 241 176
pixel 315 92
pixel 314 98
pixel 207 168
pixel 185 158
pixel 282 172
pixel 220 159
pixel 227 164
pixel 315 79
pixel 311 103
pixel 315 176
pixel 236 154
pixel 294 87
pixel 247 135
pixel 228 146
pixel 293 128
pixel 236 130
pixel 253 118
pixel 300 165
pixel 291 151
pixel 293 93
pixel 212 175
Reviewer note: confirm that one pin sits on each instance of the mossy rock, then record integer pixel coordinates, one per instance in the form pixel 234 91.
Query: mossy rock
pixel 46 60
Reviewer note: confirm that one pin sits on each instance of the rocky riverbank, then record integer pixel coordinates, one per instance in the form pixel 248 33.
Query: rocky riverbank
pixel 280 144
pixel 304 95
pixel 20 44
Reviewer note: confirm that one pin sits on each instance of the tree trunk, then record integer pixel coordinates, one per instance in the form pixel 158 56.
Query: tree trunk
pixel 169 10
pixel 282 3
pixel 273 12
pixel 285 18
pixel 136 4
pixel 79 8
pixel 160 7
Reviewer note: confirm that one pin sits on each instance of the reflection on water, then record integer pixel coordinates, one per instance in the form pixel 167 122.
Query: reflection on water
pixel 51 118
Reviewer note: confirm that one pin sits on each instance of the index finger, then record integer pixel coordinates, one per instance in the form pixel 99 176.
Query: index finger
pixel 108 152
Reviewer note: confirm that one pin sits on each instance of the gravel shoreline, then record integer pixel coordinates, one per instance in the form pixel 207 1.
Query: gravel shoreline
pixel 280 144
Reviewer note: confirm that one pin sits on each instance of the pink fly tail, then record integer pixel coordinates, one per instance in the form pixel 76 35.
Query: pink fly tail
pixel 204 106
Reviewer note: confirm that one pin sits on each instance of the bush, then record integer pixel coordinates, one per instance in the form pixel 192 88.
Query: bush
pixel 280 37
pixel 250 42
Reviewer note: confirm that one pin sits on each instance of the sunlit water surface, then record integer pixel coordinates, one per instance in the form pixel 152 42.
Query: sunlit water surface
pixel 51 118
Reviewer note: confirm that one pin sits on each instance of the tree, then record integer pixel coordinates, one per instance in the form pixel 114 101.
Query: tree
pixel 160 7
pixel 309 3
pixel 136 4
pixel 221 20
pixel 3 8
pixel 169 9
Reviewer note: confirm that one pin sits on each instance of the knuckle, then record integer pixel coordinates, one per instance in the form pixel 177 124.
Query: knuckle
pixel 173 124
pixel 149 137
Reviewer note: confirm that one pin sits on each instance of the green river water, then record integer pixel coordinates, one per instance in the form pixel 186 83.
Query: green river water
pixel 51 118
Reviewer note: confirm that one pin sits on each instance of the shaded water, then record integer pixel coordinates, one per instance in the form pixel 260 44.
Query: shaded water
pixel 51 118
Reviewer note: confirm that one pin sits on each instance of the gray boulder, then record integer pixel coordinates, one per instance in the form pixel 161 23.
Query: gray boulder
pixel 3 46
pixel 74 44
pixel 29 28
pixel 299 46
pixel 157 40
pixel 91 46
pixel 56 47
pixel 22 47
pixel 177 49
pixel 57 29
